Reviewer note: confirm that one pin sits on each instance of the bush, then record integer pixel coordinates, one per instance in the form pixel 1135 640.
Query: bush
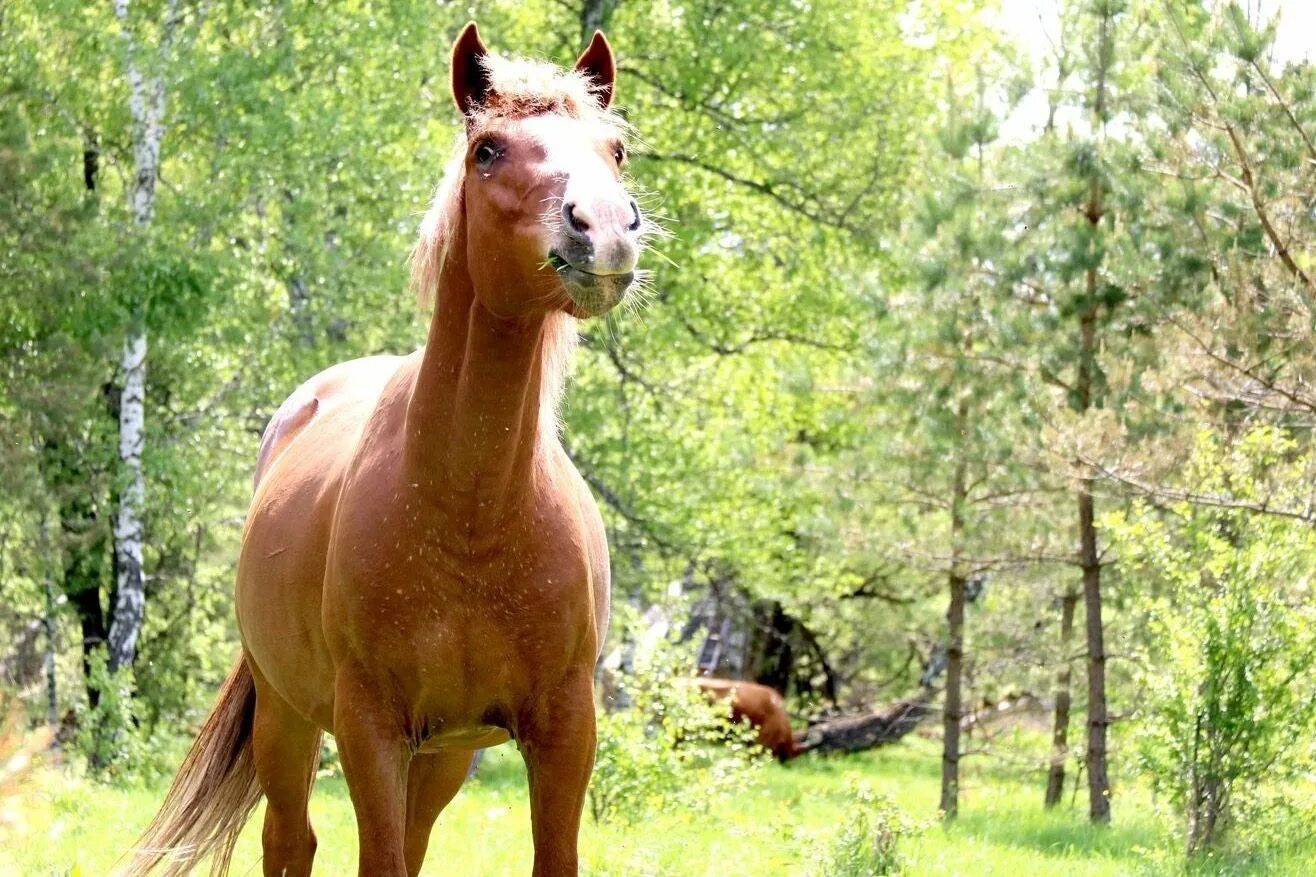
pixel 669 748
pixel 868 843
pixel 111 736
pixel 1229 703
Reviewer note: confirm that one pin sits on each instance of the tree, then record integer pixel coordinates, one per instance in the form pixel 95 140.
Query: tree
pixel 967 337
pixel 1075 271
pixel 146 71
pixel 1085 388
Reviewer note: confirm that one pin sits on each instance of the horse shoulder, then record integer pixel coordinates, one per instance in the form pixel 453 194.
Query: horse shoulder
pixel 596 547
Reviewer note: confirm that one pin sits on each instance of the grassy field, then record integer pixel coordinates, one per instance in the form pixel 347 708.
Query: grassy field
pixel 783 826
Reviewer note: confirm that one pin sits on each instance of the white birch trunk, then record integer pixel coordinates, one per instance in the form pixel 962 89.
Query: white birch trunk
pixel 130 602
pixel 146 101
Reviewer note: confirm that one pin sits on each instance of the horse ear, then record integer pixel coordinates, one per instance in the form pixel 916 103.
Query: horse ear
pixel 470 78
pixel 599 67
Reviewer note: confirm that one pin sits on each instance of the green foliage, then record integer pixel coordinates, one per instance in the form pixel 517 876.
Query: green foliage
pixel 669 747
pixel 868 844
pixel 1228 706
pixel 111 735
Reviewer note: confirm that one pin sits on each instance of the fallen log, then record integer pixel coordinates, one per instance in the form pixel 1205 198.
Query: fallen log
pixel 858 733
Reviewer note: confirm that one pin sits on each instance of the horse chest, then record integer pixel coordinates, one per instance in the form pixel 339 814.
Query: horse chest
pixel 458 620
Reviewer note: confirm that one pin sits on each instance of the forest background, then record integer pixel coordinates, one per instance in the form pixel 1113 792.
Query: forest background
pixel 977 370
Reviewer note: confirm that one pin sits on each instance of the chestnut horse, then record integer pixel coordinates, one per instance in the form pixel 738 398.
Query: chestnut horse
pixel 423 571
pixel 760 705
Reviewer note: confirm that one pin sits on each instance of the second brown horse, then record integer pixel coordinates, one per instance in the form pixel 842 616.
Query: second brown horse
pixel 423 571
pixel 761 706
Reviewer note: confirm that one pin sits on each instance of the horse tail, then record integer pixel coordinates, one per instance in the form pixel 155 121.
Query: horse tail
pixel 213 793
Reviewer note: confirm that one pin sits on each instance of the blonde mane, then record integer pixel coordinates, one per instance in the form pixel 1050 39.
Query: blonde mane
pixel 519 89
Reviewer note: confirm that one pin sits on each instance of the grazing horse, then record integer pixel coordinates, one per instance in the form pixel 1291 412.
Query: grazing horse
pixel 423 571
pixel 761 706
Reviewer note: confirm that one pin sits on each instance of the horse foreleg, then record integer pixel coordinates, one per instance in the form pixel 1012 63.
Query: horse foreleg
pixel 558 746
pixel 432 781
pixel 286 751
pixel 375 758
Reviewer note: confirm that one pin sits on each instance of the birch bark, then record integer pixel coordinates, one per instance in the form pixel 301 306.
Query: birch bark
pixel 146 102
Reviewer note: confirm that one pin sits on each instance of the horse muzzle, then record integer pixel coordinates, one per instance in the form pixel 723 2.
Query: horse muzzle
pixel 596 251
pixel 592 292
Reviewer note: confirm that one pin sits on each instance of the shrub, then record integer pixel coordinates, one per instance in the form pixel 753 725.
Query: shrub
pixel 868 843
pixel 669 748
pixel 111 735
pixel 1229 703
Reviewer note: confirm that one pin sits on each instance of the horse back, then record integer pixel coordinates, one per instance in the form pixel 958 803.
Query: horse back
pixel 761 705
pixel 355 384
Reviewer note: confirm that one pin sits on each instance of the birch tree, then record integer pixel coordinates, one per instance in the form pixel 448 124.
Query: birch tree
pixel 145 72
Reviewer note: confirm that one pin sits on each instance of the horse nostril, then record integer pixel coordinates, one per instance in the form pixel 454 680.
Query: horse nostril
pixel 635 211
pixel 574 222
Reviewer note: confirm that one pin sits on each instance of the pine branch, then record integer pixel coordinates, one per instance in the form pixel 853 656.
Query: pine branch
pixel 1160 495
pixel 1288 111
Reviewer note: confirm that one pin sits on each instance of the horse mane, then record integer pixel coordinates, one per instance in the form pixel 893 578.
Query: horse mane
pixel 519 88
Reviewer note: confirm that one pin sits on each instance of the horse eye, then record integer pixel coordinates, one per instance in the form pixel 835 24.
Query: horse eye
pixel 619 153
pixel 486 152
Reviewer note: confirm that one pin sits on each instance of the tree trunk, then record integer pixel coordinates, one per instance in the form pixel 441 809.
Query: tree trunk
pixel 1087 389
pixel 146 102
pixel 771 654
pixel 51 624
pixel 130 586
pixel 595 15
pixel 86 601
pixel 1098 780
pixel 1208 801
pixel 1055 778
pixel 1206 813
pixel 84 540
pixel 953 708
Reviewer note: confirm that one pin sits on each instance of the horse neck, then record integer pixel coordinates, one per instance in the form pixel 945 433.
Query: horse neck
pixel 475 429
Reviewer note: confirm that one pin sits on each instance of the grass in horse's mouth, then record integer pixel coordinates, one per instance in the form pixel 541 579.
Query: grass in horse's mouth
pixel 560 264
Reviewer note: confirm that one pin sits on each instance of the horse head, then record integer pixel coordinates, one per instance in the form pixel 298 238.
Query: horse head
pixel 536 196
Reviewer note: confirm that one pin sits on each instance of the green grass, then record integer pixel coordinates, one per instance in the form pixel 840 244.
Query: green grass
pixel 780 827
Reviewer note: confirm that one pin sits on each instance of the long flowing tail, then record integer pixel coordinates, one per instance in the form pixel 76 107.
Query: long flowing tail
pixel 213 794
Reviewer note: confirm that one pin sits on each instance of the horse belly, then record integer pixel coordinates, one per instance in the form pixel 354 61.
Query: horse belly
pixel 456 673
pixel 479 737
